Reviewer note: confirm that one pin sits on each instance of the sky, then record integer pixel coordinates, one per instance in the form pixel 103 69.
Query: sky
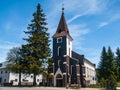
pixel 92 24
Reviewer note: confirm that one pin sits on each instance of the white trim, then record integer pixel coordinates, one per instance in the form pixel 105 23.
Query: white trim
pixel 64 62
pixel 60 38
pixel 58 72
pixel 64 73
pixel 77 65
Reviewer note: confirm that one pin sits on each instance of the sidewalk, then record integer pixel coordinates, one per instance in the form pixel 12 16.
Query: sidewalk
pixel 44 88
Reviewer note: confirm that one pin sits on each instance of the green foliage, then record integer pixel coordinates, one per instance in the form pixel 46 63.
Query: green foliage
pixel 118 84
pixel 13 59
pixel 36 52
pixel 102 82
pixel 117 62
pixel 14 62
pixel 107 70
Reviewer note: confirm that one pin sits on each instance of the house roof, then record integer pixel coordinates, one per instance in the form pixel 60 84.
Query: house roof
pixel 3 64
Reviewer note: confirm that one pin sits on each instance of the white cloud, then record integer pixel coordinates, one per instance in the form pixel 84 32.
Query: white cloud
pixel 86 8
pixel 73 18
pixel 77 8
pixel 103 24
pixel 7 44
pixel 113 18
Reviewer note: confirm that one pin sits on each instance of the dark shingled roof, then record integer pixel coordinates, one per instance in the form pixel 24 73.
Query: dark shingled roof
pixel 62 29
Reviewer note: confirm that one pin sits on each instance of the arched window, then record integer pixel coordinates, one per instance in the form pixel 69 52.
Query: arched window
pixel 59 51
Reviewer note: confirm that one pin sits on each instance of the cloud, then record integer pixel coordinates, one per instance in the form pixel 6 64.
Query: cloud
pixel 113 18
pixel 87 8
pixel 7 45
pixel 103 24
pixel 78 31
pixel 73 18
pixel 77 8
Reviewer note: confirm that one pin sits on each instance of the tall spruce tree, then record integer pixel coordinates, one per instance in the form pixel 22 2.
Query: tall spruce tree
pixel 102 65
pixel 111 71
pixel 36 52
pixel 117 62
pixel 107 70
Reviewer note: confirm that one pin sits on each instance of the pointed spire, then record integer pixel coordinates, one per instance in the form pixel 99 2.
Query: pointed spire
pixel 62 29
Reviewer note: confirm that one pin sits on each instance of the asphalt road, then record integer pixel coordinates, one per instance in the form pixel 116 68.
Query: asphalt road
pixel 44 88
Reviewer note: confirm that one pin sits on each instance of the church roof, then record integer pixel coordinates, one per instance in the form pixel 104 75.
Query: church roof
pixel 81 58
pixel 62 29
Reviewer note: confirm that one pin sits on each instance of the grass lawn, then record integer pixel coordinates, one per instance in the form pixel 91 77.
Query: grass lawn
pixel 118 84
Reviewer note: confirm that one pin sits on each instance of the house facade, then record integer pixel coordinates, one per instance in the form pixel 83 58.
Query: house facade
pixel 69 67
pixel 7 77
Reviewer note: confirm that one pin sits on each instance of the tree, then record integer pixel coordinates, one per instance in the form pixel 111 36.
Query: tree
pixel 14 61
pixel 107 73
pixel 36 52
pixel 102 65
pixel 117 62
pixel 49 71
pixel 111 71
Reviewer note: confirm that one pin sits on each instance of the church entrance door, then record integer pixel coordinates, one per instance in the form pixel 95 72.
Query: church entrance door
pixel 59 81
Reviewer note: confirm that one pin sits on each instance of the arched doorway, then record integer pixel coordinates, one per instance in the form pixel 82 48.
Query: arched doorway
pixel 59 81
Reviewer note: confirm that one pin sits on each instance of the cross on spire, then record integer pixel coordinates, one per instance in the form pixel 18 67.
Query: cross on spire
pixel 62 8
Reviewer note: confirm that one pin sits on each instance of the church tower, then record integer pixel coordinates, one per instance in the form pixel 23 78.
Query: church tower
pixel 62 50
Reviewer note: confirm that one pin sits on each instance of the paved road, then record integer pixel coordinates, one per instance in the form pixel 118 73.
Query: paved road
pixel 43 88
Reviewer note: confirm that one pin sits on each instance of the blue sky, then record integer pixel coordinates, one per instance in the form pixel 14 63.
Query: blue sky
pixel 92 23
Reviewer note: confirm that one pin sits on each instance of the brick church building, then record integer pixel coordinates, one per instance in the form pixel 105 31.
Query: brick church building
pixel 69 67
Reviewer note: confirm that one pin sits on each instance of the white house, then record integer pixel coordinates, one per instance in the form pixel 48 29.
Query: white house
pixel 7 77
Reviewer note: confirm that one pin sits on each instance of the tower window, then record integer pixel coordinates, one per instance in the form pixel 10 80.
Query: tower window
pixel 59 40
pixel 69 42
pixel 59 63
pixel 69 51
pixel 59 51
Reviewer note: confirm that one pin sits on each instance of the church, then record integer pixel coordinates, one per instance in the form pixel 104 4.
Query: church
pixel 69 67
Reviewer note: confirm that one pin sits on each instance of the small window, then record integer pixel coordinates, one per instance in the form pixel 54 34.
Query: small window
pixel 58 62
pixel 59 51
pixel 16 80
pixel 0 64
pixel 4 80
pixel 31 76
pixel 37 80
pixel 59 40
pixel 1 72
pixel 5 71
pixel 69 51
pixel 69 42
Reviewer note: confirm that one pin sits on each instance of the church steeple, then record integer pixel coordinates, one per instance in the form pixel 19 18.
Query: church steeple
pixel 62 29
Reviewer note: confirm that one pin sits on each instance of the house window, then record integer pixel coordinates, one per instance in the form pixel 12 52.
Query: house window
pixel 1 72
pixel 37 80
pixel 59 51
pixel 5 71
pixel 4 80
pixel 16 80
pixel 31 76
pixel 59 40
